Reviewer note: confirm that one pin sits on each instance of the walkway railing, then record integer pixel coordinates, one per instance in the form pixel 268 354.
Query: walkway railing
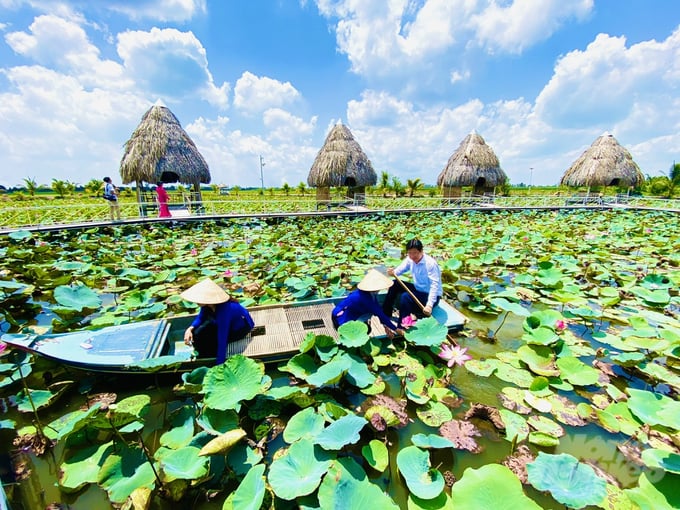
pixel 17 215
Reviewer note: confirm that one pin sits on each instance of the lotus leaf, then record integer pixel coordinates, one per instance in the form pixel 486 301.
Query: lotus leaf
pixel 305 424
pixel 431 441
pixel 241 458
pixel 301 366
pixel 434 414
pixel 540 359
pixel 223 443
pixel 124 471
pixel 422 480
pixel 491 486
pixel 427 332
pixel 576 372
pixel 38 398
pixel 184 464
pixel 330 372
pixel 77 297
pixel 516 427
pixel 663 459
pixel 657 297
pixel 182 431
pixel 70 423
pixel 299 470
pixel 7 424
pixel 238 379
pixel 654 409
pixel 217 421
pixel 545 425
pixel 482 368
pixel 346 486
pixel 570 482
pixel 376 454
pixel 647 497
pixel 341 432
pixel 82 467
pixel 661 373
pixel 353 334
pixel 508 306
pixel 358 373
pixel 250 492
pixel 517 376
pixel 542 335
pixel 165 363
pixel 20 235
pixel 565 411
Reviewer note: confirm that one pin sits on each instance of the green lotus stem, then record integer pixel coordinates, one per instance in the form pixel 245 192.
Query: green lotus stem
pixel 149 459
pixel 38 425
pixel 499 327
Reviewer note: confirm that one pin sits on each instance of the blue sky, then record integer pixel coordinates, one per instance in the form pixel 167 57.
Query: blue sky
pixel 540 80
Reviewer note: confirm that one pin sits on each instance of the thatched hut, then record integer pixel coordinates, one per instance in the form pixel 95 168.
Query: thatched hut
pixel 341 162
pixel 473 164
pixel 604 163
pixel 159 150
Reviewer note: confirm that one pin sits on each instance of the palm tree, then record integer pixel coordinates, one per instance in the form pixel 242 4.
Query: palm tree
pixel 413 185
pixel 93 187
pixel 397 187
pixel 31 186
pixel 61 188
pixel 384 183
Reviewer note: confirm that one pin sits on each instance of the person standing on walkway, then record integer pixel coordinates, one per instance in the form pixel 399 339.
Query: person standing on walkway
pixel 426 286
pixel 111 194
pixel 163 199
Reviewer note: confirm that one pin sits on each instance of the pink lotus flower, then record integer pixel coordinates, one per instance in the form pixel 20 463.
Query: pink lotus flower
pixel 560 325
pixel 228 273
pixel 407 322
pixel 3 346
pixel 193 251
pixel 454 354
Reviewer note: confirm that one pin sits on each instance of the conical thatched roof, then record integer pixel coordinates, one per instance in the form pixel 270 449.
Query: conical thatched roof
pixel 341 162
pixel 160 150
pixel 473 161
pixel 604 163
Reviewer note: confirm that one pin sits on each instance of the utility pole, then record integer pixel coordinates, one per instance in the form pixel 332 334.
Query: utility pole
pixel 531 175
pixel 261 174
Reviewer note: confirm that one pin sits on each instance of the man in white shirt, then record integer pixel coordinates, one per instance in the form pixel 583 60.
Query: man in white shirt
pixel 426 286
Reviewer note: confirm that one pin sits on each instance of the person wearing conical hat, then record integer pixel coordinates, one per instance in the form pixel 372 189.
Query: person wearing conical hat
pixel 362 304
pixel 220 320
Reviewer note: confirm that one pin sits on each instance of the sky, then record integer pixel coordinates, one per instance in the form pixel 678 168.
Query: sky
pixel 265 80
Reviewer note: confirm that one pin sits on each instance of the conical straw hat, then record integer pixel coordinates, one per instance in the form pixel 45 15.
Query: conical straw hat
pixel 374 280
pixel 205 292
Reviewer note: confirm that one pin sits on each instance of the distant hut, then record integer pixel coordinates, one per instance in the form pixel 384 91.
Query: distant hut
pixel 161 151
pixel 341 162
pixel 604 163
pixel 473 164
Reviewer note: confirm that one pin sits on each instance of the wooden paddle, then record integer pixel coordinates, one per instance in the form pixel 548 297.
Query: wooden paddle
pixel 422 308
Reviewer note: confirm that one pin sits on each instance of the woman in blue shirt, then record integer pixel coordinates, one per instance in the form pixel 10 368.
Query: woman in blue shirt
pixel 362 304
pixel 221 319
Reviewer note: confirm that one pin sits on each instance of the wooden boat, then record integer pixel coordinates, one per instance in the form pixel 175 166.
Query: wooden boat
pixel 158 345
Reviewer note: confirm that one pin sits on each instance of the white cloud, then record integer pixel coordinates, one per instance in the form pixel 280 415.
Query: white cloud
pixel 233 155
pixel 170 63
pixel 284 126
pixel 255 94
pixel 63 45
pixel 457 76
pixel 609 84
pixel 512 27
pixel 161 10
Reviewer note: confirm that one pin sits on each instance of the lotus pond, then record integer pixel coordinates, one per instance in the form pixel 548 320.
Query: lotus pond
pixel 570 398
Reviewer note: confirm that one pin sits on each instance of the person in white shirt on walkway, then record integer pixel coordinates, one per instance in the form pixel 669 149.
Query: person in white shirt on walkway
pixel 426 286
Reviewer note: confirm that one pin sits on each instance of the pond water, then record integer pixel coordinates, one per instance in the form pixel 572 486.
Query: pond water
pixel 611 280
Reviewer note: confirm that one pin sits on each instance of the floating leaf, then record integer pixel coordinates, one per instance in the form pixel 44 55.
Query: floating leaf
pixel 353 334
pixel 427 332
pixel 250 492
pixel 376 454
pixel 668 461
pixel 298 472
pixel 422 480
pixel 185 463
pixel 570 482
pixel 77 297
pixel 347 486
pixel 576 372
pixel 342 432
pixel 305 424
pixel 223 443
pixel 492 487
pixel 238 379
pixel 124 471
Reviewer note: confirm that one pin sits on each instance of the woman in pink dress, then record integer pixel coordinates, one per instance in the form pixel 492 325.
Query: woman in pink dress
pixel 163 199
